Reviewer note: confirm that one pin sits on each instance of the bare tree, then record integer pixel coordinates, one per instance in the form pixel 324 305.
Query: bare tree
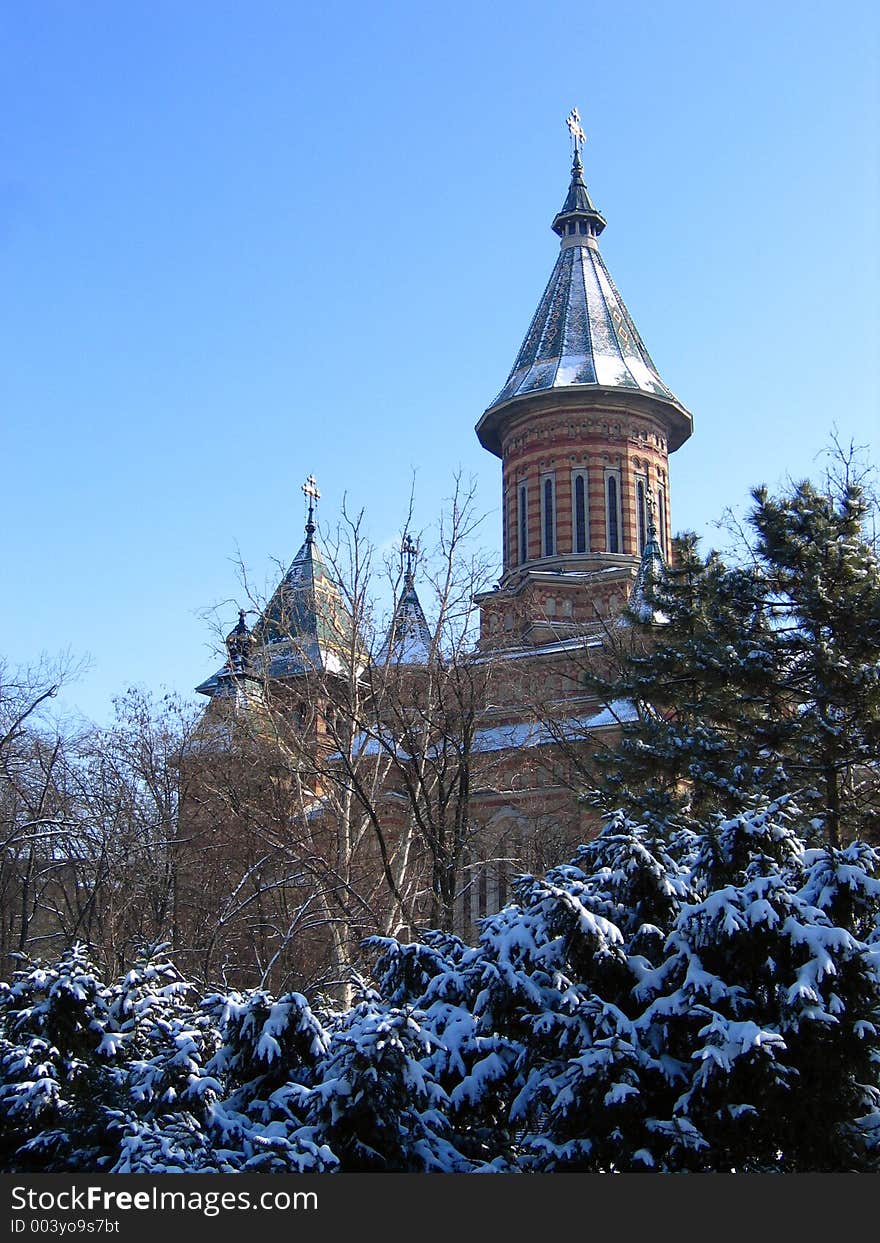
pixel 343 786
pixel 89 822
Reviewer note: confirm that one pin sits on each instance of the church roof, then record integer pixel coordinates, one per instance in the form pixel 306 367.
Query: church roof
pixel 582 337
pixel 304 623
pixel 303 627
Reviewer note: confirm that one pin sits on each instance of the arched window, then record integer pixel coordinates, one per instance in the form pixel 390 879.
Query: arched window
pixel 523 522
pixel 579 531
pixel 642 512
pixel 548 515
pixel 504 528
pixel 612 510
pixel 661 519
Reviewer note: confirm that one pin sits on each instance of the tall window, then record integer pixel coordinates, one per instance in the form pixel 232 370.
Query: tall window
pixel 504 528
pixel 612 510
pixel 548 515
pixel 523 522
pixel 642 511
pixel 579 517
pixel 661 520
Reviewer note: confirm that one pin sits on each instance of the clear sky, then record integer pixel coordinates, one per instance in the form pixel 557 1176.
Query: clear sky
pixel 245 242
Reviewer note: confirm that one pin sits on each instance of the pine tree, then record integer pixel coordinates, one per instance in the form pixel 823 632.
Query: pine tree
pixel 376 1102
pixel 822 588
pixel 767 1007
pixel 698 670
pixel 757 678
pixel 58 1081
pixel 267 1064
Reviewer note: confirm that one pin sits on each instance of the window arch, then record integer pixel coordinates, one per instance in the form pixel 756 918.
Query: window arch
pixel 504 527
pixel 612 511
pixel 523 522
pixel 642 510
pixel 580 515
pixel 548 515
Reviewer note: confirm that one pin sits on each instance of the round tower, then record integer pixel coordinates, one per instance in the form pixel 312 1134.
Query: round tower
pixel 584 424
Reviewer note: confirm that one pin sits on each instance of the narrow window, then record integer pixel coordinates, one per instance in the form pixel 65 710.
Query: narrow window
pixel 523 523
pixel 642 513
pixel 548 516
pixel 613 517
pixel 504 528
pixel 661 519
pixel 580 532
pixel 580 515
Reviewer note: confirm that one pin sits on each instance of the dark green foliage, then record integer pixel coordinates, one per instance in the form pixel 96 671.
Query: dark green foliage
pixel 755 678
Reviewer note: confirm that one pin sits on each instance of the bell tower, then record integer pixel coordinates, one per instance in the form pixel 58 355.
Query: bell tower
pixel 584 426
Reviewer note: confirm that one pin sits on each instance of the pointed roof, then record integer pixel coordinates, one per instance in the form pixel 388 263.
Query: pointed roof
pixel 582 337
pixel 304 624
pixel 578 205
pixel 303 627
pixel 408 640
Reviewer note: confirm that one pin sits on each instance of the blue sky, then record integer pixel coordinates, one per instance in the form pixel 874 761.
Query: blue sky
pixel 242 243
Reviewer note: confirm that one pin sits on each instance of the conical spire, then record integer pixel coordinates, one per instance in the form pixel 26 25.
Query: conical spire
pixel 408 641
pixel 582 337
pixel 578 207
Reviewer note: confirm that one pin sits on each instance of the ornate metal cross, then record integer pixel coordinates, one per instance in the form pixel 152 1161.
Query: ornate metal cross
pixel 410 550
pixel 578 137
pixel 310 490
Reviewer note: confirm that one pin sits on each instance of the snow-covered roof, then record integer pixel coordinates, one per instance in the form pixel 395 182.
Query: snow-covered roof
pixel 302 627
pixel 582 335
pixel 542 734
pixel 408 641
pixel 512 737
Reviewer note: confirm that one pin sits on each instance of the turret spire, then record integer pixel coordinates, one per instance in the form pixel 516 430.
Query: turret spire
pixel 650 571
pixel 409 551
pixel 582 338
pixel 578 218
pixel 408 641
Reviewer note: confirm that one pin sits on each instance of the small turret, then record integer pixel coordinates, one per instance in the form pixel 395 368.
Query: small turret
pixel 240 645
pixel 408 641
pixel 648 575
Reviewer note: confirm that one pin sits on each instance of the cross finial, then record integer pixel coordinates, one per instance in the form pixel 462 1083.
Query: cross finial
pixel 310 489
pixel 312 495
pixel 578 137
pixel 409 550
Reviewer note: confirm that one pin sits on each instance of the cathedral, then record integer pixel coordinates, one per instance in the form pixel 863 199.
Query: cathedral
pixel 583 427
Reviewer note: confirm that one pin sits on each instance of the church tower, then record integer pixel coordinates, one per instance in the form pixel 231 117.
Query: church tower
pixel 584 427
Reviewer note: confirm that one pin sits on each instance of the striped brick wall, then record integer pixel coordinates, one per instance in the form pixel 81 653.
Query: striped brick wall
pixel 560 441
